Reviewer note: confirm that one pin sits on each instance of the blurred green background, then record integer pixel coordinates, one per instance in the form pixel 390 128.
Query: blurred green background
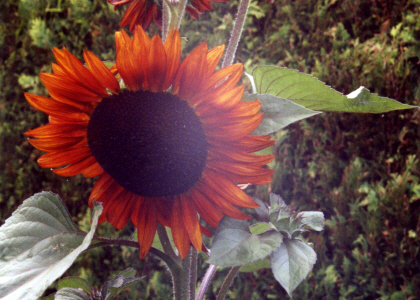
pixel 361 170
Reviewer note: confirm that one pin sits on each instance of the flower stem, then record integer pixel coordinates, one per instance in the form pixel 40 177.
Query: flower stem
pixel 166 19
pixel 227 283
pixel 181 10
pixel 206 282
pixel 166 243
pixel 185 278
pixel 236 33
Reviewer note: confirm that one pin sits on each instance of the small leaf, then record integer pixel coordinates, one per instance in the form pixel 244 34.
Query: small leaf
pixel 75 282
pixel 118 283
pixel 312 219
pixel 234 245
pixel 276 200
pixel 306 90
pixel 291 262
pixel 256 265
pixel 38 243
pixel 259 228
pixel 71 294
pixel 278 113
pixel 262 211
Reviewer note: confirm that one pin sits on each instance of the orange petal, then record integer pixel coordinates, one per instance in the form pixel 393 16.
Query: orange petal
pixel 58 87
pixel 78 72
pixel 173 53
pixel 191 221
pixel 75 168
pixel 156 65
pixel 233 132
pixel 110 196
pixel 58 131
pixel 179 233
pixel 54 144
pixel 62 158
pixel 92 171
pixel 190 76
pixel 119 211
pixel 100 187
pixel 228 190
pixel 239 157
pixel 144 218
pixel 243 174
pixel 164 208
pixel 55 108
pixel 213 57
pixel 225 206
pixel 101 72
pixel 207 210
pixel 249 143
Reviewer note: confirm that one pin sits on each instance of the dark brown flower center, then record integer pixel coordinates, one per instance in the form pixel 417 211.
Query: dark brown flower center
pixel 152 144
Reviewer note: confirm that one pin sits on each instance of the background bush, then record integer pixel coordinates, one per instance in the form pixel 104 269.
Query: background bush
pixel 362 171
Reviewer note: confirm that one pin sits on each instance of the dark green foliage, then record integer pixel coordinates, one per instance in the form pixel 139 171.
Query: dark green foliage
pixel 362 171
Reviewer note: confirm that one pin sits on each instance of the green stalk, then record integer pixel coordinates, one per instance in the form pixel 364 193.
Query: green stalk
pixel 227 283
pixel 180 13
pixel 236 33
pixel 185 277
pixel 166 19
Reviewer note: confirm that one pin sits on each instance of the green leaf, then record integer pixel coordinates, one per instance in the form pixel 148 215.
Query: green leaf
pixel 75 282
pixel 312 219
pixel 256 265
pixel 259 228
pixel 71 294
pixel 38 243
pixel 262 211
pixel 291 262
pixel 234 245
pixel 278 113
pixel 306 90
pixel 118 283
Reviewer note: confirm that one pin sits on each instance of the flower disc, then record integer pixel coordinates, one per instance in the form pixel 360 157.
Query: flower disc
pixel 152 144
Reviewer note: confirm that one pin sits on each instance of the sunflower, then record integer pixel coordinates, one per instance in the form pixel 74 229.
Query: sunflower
pixel 141 12
pixel 170 147
pixel 200 6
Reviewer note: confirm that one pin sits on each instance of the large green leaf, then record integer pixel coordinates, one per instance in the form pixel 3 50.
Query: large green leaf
pixel 311 93
pixel 278 113
pixel 291 262
pixel 38 243
pixel 234 245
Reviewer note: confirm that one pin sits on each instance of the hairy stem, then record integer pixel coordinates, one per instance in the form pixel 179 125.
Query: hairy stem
pixel 227 283
pixel 186 278
pixel 180 13
pixel 166 243
pixel 206 282
pixel 166 19
pixel 236 33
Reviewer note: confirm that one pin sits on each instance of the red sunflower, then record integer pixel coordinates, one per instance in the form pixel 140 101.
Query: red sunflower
pixel 169 148
pixel 141 12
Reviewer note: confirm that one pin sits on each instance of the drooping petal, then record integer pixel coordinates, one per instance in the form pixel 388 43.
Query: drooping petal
pixel 144 217
pixel 179 233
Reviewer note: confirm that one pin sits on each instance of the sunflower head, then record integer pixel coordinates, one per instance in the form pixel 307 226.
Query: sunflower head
pixel 171 147
pixel 142 12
